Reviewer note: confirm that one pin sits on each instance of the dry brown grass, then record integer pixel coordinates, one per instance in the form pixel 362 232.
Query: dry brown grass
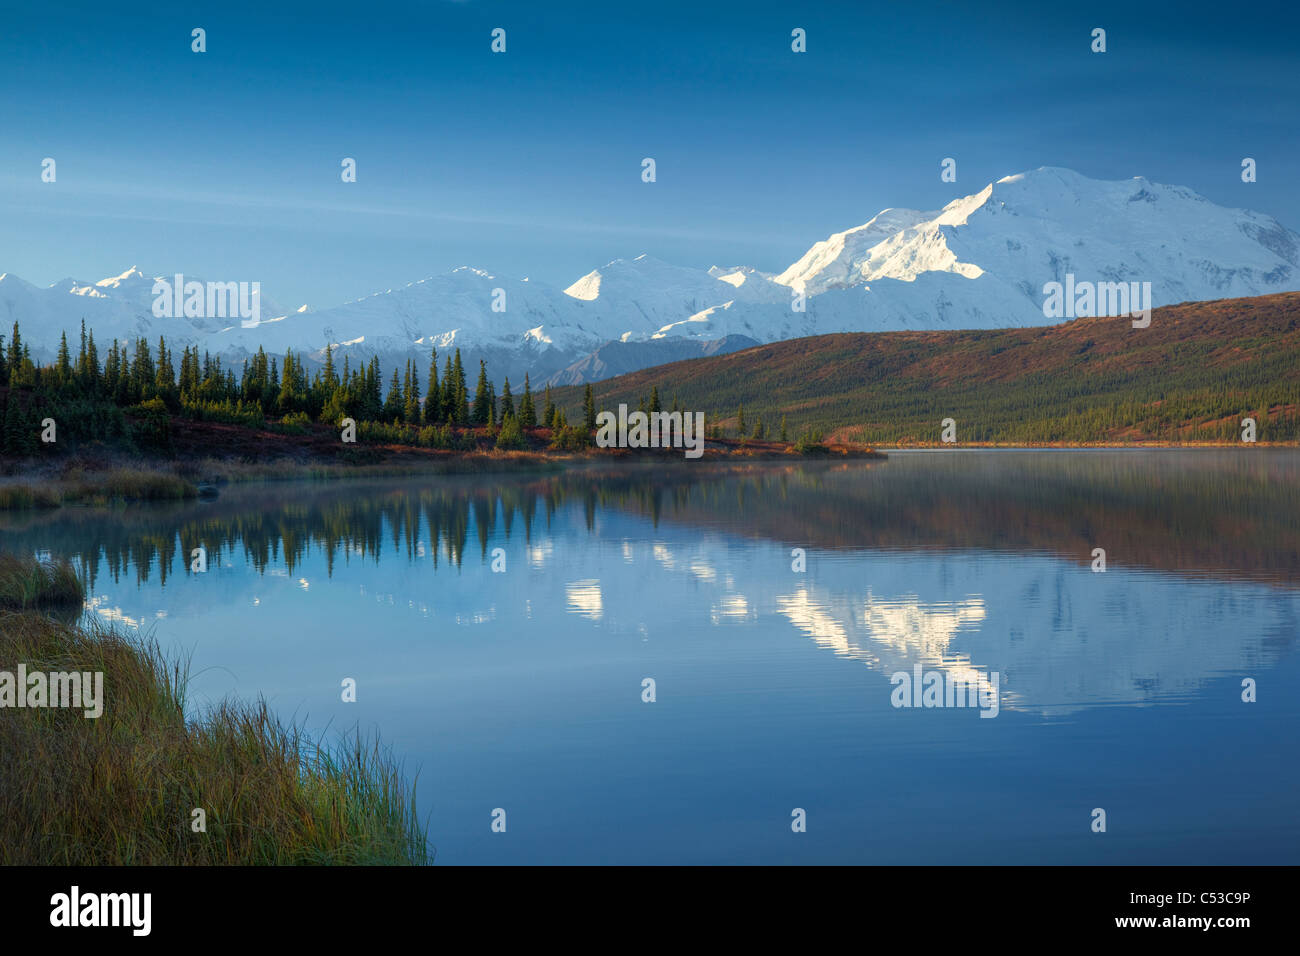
pixel 120 789
pixel 28 583
pixel 116 485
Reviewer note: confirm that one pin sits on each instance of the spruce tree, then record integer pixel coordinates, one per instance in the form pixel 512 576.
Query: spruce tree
pixel 507 401
pixel 548 410
pixel 28 374
pixel 166 376
pixel 79 370
pixel 142 373
pixel 481 396
pixel 92 379
pixel 414 417
pixel 376 383
pixel 433 400
pixel 114 374
pixel 589 409
pixel 448 391
pixel 527 412
pixel 411 402
pixel 15 351
pixel 287 401
pixel 393 404
pixel 63 371
pixel 328 375
pixel 461 391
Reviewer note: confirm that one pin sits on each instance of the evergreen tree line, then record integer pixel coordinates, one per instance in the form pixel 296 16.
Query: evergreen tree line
pixel 91 394
pixel 760 430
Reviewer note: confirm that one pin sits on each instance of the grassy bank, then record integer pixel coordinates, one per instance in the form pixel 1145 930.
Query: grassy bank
pixel 74 486
pixel 121 789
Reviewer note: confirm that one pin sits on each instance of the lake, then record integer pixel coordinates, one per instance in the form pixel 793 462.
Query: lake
pixel 771 605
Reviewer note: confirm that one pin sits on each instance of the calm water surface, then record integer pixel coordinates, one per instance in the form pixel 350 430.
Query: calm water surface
pixel 523 689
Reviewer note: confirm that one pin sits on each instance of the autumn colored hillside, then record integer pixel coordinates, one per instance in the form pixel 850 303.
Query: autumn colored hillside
pixel 1192 375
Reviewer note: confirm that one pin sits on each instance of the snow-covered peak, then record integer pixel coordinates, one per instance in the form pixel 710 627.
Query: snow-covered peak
pixel 586 288
pixel 739 275
pixel 834 263
pixel 12 281
pixel 638 297
pixel 1058 173
pixel 471 271
pixel 115 281
pixel 633 276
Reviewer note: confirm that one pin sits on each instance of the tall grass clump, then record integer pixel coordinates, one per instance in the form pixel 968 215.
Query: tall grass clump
pixel 132 484
pixel 26 583
pixel 25 497
pixel 121 789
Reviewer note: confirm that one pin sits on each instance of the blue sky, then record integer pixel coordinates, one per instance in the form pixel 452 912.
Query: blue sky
pixel 225 164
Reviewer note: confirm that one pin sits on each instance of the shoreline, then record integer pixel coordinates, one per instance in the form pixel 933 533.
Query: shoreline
pixel 100 474
pixel 96 479
pixel 1085 446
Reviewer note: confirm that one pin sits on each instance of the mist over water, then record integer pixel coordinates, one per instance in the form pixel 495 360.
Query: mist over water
pixel 523 689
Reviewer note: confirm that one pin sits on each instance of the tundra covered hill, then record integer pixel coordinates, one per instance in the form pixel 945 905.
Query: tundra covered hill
pixel 1191 376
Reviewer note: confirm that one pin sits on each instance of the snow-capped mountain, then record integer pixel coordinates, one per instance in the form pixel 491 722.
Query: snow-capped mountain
pixel 1034 227
pixel 119 307
pixel 980 262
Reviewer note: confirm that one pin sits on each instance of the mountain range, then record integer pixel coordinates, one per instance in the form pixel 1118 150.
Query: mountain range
pixel 980 262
